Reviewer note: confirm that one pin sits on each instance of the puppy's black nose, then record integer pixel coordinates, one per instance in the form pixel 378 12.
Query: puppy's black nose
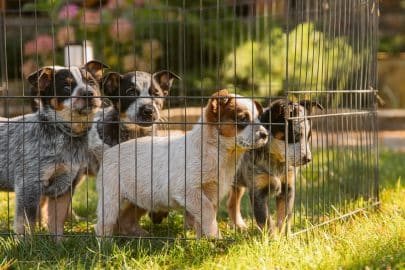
pixel 263 135
pixel 88 94
pixel 306 159
pixel 147 110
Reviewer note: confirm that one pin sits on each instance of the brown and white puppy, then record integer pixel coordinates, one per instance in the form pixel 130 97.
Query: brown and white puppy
pixel 264 171
pixel 193 171
pixel 137 99
pixel 41 153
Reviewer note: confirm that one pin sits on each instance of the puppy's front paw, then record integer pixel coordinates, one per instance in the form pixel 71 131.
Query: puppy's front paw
pixel 241 225
pixel 217 235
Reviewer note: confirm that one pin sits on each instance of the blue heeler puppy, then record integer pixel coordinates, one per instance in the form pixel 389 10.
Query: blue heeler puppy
pixel 41 153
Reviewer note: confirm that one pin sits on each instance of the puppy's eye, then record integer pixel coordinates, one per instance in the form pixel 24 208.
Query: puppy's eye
pixel 242 121
pixel 131 92
pixel 154 92
pixel 67 88
pixel 91 83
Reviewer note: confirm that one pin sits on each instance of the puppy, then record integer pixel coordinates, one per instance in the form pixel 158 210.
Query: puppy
pixel 267 165
pixel 193 171
pixel 137 99
pixel 42 153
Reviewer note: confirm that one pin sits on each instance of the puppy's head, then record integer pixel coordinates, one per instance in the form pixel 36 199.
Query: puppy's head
pixel 298 133
pixel 72 92
pixel 138 96
pixel 236 116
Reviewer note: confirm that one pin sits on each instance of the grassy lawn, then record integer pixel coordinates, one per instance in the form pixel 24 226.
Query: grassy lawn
pixel 369 239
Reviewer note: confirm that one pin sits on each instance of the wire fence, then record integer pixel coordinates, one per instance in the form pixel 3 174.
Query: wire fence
pixel 142 142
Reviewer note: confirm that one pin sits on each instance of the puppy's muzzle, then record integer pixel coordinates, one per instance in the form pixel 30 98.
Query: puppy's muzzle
pixel 87 101
pixel 261 137
pixel 147 114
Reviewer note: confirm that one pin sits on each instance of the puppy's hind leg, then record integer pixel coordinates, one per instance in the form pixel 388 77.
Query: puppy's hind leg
pixel 107 212
pixel 258 198
pixel 203 212
pixel 128 222
pixel 233 203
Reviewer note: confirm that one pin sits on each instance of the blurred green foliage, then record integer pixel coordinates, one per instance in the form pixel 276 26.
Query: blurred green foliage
pixel 392 44
pixel 315 62
pixel 211 48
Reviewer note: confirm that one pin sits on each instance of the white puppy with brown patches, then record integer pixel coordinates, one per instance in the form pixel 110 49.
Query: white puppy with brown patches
pixel 194 171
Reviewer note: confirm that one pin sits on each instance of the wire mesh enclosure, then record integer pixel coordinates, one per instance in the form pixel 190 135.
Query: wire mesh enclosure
pixel 142 142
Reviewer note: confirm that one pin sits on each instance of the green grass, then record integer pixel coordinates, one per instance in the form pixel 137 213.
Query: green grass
pixel 372 239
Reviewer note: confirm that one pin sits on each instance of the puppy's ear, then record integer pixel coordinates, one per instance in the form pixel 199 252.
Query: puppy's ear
pixel 111 84
pixel 96 69
pixel 219 99
pixel 164 80
pixel 258 107
pixel 309 104
pixel 41 79
pixel 265 118
pixel 277 108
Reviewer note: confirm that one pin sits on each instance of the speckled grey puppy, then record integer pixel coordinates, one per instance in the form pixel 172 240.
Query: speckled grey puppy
pixel 41 153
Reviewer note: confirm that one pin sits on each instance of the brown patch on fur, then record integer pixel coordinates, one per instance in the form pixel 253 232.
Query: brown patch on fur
pixel 80 123
pixel 279 136
pixel 291 178
pixel 53 171
pixel 263 180
pixel 210 190
pixel 56 105
pixel 223 108
pixel 43 211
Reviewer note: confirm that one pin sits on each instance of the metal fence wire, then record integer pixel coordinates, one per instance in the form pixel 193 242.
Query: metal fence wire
pixel 119 117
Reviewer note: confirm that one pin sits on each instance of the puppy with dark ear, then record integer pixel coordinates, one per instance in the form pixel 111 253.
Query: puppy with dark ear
pixel 163 80
pixel 137 98
pixel 55 140
pixel 268 164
